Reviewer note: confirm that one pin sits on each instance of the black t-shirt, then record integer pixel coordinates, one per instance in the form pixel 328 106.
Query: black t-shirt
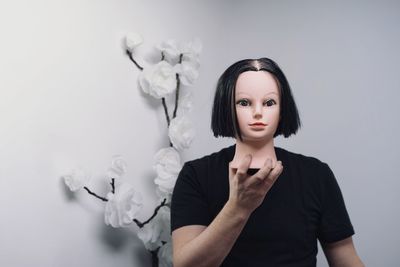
pixel 304 204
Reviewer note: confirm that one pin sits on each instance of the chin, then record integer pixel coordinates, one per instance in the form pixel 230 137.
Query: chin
pixel 257 138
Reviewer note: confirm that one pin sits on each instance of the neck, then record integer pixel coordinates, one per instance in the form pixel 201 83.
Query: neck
pixel 260 152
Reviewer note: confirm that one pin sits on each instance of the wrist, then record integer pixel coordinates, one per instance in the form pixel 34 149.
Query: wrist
pixel 235 212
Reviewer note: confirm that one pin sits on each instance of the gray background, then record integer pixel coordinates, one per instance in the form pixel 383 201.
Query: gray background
pixel 69 96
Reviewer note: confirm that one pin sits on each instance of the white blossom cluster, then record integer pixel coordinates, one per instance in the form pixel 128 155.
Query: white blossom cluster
pixel 179 65
pixel 160 80
pixel 122 205
pixel 167 166
pixel 77 179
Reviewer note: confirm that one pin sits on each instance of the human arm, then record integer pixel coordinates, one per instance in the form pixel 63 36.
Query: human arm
pixel 197 245
pixel 335 229
pixel 342 253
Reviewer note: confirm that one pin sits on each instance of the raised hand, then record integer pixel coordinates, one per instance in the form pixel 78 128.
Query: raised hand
pixel 247 192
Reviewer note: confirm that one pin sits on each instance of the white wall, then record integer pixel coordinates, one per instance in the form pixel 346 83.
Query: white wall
pixel 69 96
pixel 342 62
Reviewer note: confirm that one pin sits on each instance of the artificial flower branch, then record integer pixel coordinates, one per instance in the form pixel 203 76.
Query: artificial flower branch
pixel 129 53
pixel 113 185
pixel 141 224
pixel 94 194
pixel 138 223
pixel 178 83
pixel 165 110
pixel 99 197
pixel 178 66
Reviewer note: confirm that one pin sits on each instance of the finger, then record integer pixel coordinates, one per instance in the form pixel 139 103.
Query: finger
pixel 262 174
pixel 243 167
pixel 273 175
pixel 274 162
pixel 232 171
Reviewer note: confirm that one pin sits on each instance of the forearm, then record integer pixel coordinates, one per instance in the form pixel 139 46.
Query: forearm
pixel 354 264
pixel 213 244
pixel 342 254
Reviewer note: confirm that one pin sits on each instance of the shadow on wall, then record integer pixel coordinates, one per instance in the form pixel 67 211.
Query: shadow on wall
pixel 69 195
pixel 115 239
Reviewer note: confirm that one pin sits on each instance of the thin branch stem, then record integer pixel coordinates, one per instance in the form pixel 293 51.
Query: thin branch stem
pixel 141 224
pixel 165 110
pixel 178 85
pixel 129 53
pixel 166 116
pixel 154 257
pixel 94 194
pixel 113 185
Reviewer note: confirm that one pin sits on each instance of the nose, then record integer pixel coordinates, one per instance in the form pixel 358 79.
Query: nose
pixel 257 111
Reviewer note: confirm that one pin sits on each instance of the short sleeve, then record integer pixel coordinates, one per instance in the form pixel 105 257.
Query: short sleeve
pixel 188 204
pixel 335 223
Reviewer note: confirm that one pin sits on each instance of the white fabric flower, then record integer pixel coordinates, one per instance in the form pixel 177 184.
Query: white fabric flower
pixel 76 179
pixel 157 230
pixel 191 50
pixel 188 71
pixel 167 194
pixel 181 132
pixel 167 165
pixel 170 49
pixel 158 80
pixel 122 206
pixel 132 40
pixel 118 167
pixel 165 255
pixel 185 102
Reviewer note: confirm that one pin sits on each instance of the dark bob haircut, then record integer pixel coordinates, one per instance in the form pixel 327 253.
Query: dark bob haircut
pixel 224 119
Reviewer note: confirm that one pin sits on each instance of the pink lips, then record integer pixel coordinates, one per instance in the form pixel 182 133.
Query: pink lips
pixel 258 124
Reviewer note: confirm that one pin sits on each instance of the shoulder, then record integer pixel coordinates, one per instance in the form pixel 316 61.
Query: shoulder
pixel 198 173
pixel 303 163
pixel 210 160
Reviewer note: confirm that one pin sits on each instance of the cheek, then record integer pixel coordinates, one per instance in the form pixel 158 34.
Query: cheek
pixel 243 115
pixel 273 116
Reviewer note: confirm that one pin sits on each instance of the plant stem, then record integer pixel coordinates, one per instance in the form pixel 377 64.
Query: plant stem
pixel 165 110
pixel 140 224
pixel 129 53
pixel 112 185
pixel 154 258
pixel 166 116
pixel 94 194
pixel 178 83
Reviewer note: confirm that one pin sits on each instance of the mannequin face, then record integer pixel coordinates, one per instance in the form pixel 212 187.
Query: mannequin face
pixel 257 100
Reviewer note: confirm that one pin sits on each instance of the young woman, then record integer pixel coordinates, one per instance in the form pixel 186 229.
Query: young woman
pixel 254 204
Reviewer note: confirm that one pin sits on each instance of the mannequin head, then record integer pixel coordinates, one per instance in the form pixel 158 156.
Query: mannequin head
pixel 240 75
pixel 257 100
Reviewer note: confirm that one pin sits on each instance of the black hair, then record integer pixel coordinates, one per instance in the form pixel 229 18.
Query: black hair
pixel 224 119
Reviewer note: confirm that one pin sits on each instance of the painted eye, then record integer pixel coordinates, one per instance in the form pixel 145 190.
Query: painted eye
pixel 243 102
pixel 270 102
